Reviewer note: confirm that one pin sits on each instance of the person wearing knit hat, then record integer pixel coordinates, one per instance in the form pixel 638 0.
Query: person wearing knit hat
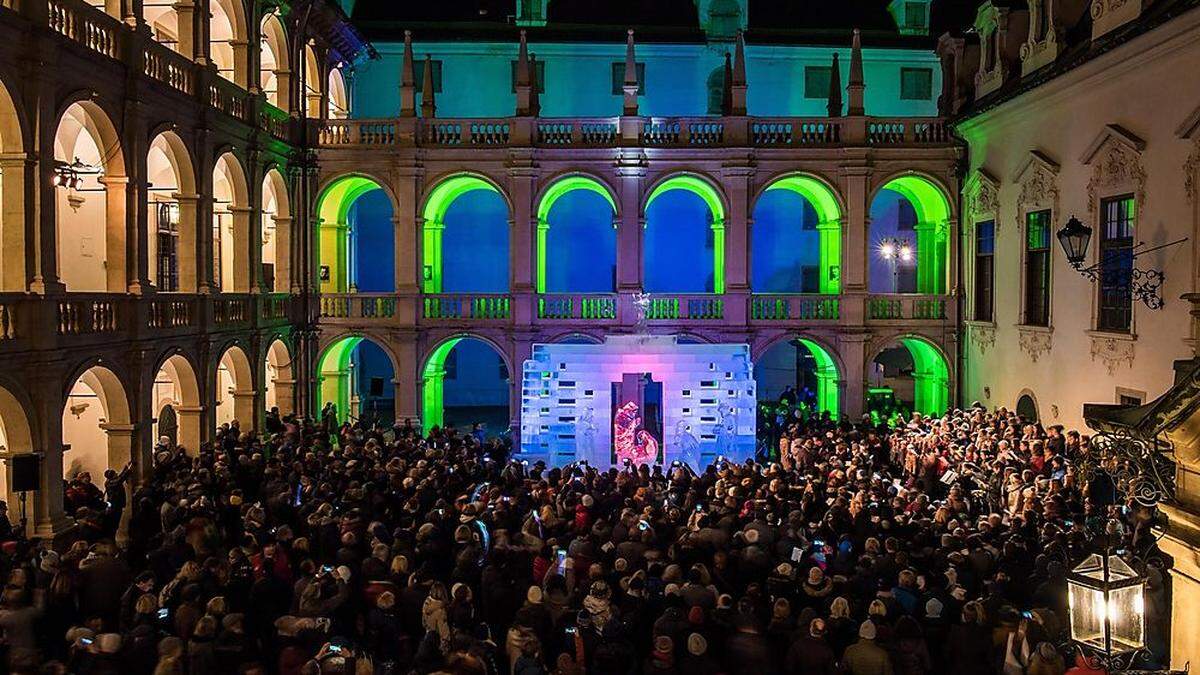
pixel 865 656
pixel 534 595
pixel 933 608
pixel 697 645
pixel 662 659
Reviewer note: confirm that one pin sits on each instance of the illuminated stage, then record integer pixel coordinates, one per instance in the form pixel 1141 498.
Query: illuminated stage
pixel 646 398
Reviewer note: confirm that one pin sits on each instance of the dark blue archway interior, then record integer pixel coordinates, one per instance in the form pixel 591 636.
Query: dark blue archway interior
pixel 476 387
pixel 785 245
pixel 581 244
pixel 374 243
pixel 678 254
pixel 475 244
pixel 374 382
pixel 892 217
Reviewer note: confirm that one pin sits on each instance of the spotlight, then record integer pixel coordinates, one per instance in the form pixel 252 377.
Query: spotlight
pixel 905 252
pixel 887 250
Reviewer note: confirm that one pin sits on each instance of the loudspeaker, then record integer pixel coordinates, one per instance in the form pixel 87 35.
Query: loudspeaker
pixel 24 470
pixel 376 386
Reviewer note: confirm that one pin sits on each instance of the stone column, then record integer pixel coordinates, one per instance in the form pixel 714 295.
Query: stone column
pixel 283 257
pixel 191 419
pixel 285 396
pixel 244 408
pixel 432 386
pixel 283 88
pixel 630 229
pixel 855 229
pixel 406 378
pixel 521 260
pixel 185 12
pixel 41 196
pixel 852 350
pixel 333 238
pixel 16 256
pixel 120 447
pixel 46 517
pixel 186 250
pixel 255 226
pixel 431 255
pixel 242 248
pixel 116 235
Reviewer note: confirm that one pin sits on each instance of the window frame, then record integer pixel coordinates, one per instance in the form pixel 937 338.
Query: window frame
pixel 909 69
pixel 1106 246
pixel 978 271
pixel 618 77
pixel 1047 262
pixel 828 77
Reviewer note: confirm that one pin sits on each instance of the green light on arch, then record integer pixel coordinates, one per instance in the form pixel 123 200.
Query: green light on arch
pixel 827 377
pixel 333 207
pixel 436 206
pixel 706 192
pixel 559 189
pixel 829 225
pixel 333 375
pixel 932 229
pixel 931 377
pixel 433 379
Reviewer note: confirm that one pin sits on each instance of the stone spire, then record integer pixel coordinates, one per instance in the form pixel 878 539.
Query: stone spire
pixel 737 91
pixel 535 103
pixel 727 88
pixel 408 89
pixel 630 87
pixel 835 88
pixel 857 85
pixel 524 100
pixel 428 104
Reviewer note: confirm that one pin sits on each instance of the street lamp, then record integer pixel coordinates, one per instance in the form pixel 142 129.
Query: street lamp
pixel 1074 238
pixel 895 251
pixel 1107 607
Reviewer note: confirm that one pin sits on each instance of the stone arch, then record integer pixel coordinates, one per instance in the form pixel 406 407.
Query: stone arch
pixel 336 377
pixel 827 204
pixel 176 384
pixel 13 244
pixel 230 225
pixel 709 192
pixel 438 200
pixel 276 224
pixel 228 40
pixel 168 27
pixel 336 238
pixel 275 73
pixel 338 107
pixel 233 387
pixel 931 371
pixel 171 200
pixel 933 210
pixel 1027 406
pixel 433 372
pixel 101 437
pixel 313 83
pixel 16 438
pixel 827 368
pixel 90 205
pixel 280 389
pixel 557 189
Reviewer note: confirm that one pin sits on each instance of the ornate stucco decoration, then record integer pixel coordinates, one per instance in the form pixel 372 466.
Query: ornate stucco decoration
pixel 983 336
pixel 1190 130
pixel 1034 341
pixel 1037 181
pixel 982 192
pixel 1116 160
pixel 1112 352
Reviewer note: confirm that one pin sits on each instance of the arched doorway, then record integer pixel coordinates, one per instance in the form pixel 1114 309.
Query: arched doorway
pixel 97 432
pixel 276 224
pixel 274 69
pixel 796 244
pixel 281 384
pixel 355 220
pixel 234 391
pixel 175 403
pixel 465 237
pixel 13 275
pixel 909 237
pixel 909 375
pixel 230 226
pixel 15 439
pixel 800 374
pixel 90 201
pixel 684 238
pixel 313 81
pixel 357 376
pixel 171 207
pixel 466 381
pixel 227 41
pixel 339 97
pixel 1027 408
pixel 577 237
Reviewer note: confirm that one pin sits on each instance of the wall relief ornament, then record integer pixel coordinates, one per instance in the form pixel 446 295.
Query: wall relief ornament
pixel 1116 160
pixel 1112 352
pixel 983 336
pixel 1190 168
pixel 1034 342
pixel 983 195
pixel 1038 182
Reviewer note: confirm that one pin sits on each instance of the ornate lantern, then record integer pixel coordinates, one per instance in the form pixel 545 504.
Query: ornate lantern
pixel 1074 238
pixel 1107 606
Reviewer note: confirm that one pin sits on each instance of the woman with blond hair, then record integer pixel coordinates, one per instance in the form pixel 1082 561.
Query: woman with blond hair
pixel 170 657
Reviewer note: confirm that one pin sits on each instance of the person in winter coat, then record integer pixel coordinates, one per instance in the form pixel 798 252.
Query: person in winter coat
pixel 170 657
pixel 747 650
pixel 811 654
pixel 201 655
pixel 910 653
pixel 865 657
pixel 969 645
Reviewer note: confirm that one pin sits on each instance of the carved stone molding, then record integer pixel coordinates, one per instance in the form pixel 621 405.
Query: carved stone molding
pixel 1034 341
pixel 1190 168
pixel 1116 160
pixel 983 336
pixel 1112 352
pixel 1038 183
pixel 982 192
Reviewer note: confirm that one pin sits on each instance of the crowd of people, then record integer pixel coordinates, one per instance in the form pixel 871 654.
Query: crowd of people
pixel 938 546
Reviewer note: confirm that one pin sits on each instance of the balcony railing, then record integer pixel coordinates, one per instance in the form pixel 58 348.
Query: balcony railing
pixel 474 307
pixel 906 307
pixel 358 306
pixel 685 308
pixel 795 308
pixel 85 25
pixel 168 67
pixel 590 307
pixel 88 315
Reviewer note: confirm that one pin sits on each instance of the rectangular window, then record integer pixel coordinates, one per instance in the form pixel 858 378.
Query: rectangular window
pixel 914 15
pixel 985 241
pixel 916 84
pixel 167 239
pixel 816 81
pixel 541 75
pixel 419 69
pixel 618 78
pixel 1037 268
pixel 1117 225
pixel 1129 399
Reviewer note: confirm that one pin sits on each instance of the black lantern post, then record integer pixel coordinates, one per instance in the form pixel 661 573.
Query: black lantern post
pixel 1074 238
